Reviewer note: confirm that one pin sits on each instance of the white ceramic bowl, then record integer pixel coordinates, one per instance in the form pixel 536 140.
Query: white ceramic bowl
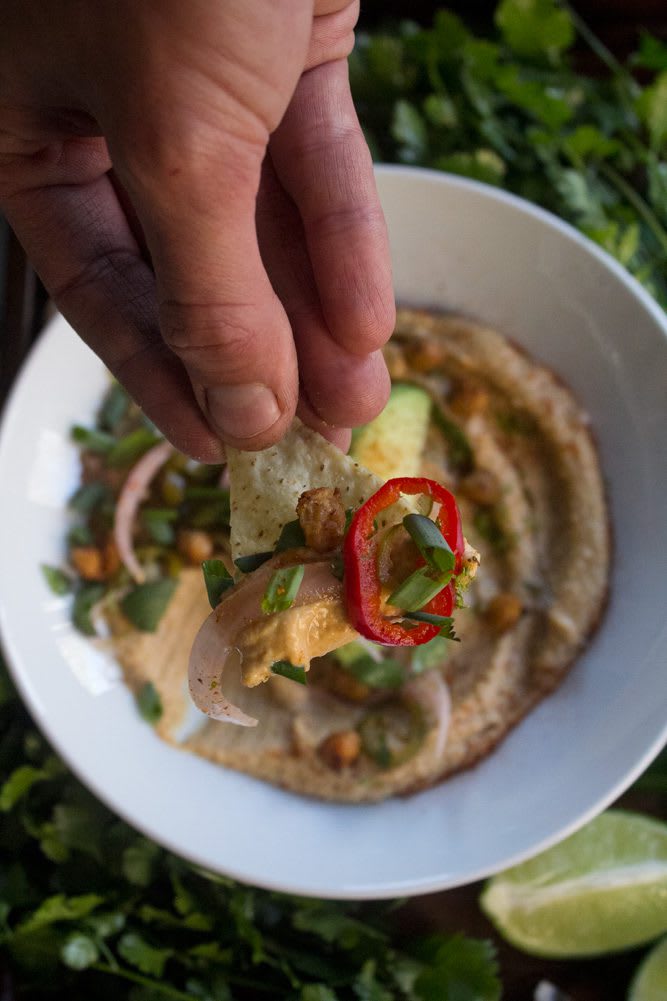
pixel 460 245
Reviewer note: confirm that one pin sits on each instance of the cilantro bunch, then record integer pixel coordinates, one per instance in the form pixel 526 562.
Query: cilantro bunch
pixel 90 908
pixel 510 110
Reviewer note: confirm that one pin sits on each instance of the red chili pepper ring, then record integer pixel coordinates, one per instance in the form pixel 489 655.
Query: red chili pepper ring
pixel 362 580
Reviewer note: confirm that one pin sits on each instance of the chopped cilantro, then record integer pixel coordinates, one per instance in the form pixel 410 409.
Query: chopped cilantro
pixel 146 603
pixel 149 702
pixel 282 589
pixel 57 579
pixel 217 579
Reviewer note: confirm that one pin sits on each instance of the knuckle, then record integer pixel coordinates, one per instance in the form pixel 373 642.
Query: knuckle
pixel 207 337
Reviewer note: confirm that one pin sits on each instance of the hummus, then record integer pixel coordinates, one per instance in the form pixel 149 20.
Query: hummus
pixel 515 447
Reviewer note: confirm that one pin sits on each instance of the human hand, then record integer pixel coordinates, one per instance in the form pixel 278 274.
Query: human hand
pixel 192 185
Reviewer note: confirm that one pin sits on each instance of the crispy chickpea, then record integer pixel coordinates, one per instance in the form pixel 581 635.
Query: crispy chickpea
pixel 322 517
pixel 194 545
pixel 88 562
pixel 343 684
pixel 481 486
pixel 340 749
pixel 503 612
pixel 469 399
pixel 110 558
pixel 425 355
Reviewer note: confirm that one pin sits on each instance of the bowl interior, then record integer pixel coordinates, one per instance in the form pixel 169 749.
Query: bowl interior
pixel 455 245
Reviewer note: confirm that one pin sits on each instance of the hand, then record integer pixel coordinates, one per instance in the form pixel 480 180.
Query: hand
pixel 191 182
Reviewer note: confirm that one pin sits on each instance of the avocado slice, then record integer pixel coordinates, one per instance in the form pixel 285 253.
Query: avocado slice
pixel 393 443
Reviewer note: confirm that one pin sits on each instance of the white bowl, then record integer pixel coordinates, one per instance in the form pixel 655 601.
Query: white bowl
pixel 460 245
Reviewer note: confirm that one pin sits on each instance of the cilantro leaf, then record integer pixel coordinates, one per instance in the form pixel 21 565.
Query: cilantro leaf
pixel 535 28
pixel 460 970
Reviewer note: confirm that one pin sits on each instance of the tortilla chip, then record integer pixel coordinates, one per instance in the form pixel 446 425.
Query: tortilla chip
pixel 265 486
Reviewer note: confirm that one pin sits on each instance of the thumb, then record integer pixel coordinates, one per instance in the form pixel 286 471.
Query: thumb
pixel 195 196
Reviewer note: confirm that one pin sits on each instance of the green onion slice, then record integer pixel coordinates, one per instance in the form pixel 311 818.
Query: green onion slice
pixel 291 671
pixel 430 542
pixel 282 589
pixel 217 579
pixel 445 622
pixel 418 589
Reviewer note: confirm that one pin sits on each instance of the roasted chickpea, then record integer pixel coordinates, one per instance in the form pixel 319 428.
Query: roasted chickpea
pixel 426 355
pixel 88 562
pixel 503 612
pixel 341 749
pixel 194 545
pixel 469 399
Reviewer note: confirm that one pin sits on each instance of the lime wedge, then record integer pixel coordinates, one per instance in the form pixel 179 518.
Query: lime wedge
pixel 650 980
pixel 601 890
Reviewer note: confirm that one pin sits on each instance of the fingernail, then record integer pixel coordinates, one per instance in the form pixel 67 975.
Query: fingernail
pixel 242 411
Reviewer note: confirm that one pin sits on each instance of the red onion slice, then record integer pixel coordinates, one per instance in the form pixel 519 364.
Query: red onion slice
pixel 217 638
pixel 133 491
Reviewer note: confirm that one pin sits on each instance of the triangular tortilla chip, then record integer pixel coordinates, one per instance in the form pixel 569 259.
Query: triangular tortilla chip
pixel 265 486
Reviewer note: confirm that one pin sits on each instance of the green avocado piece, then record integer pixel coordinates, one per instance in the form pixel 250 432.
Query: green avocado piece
pixel 393 443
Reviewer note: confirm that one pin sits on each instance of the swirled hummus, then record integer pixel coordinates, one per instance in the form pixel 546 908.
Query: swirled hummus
pixel 511 442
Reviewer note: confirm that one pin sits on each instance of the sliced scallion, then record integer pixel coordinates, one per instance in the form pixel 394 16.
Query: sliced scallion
pixel 282 589
pixel 418 589
pixel 287 670
pixel 444 622
pixel 430 542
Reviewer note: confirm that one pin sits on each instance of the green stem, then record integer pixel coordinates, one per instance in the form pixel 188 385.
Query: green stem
pixel 637 202
pixel 137 978
pixel 594 43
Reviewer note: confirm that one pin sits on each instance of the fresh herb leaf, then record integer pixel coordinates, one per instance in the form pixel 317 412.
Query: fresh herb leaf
pixel 217 579
pixel 460 968
pixel 114 407
pixel 291 671
pixel 282 589
pixel 93 441
pixel 84 601
pixel 418 589
pixel 535 28
pixel 291 537
pixel 89 497
pixel 57 579
pixel 149 703
pixel 131 446
pixel 142 955
pixel 429 655
pixel 430 542
pixel 146 603
pixel 383 673
pixel 246 564
pixel 158 522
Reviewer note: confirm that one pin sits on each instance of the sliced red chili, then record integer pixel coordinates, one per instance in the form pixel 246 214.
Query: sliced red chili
pixel 362 580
